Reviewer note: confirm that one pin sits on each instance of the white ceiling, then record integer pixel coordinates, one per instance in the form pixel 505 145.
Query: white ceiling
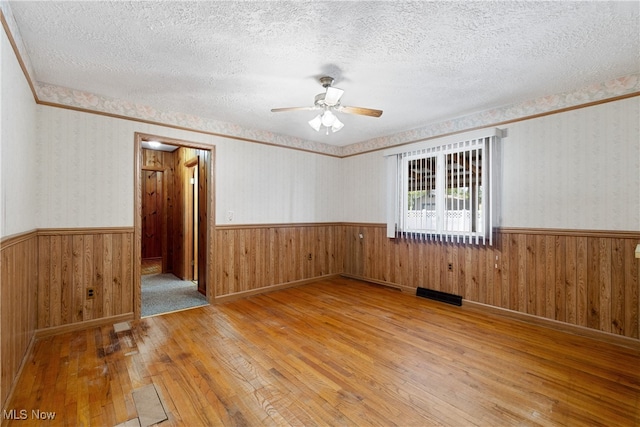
pixel 421 62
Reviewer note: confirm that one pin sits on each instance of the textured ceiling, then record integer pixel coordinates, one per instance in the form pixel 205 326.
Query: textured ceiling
pixel 420 62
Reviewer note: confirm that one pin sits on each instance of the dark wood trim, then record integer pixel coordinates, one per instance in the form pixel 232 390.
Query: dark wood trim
pixel 238 138
pixel 14 46
pixel 79 326
pixel 154 168
pixel 172 141
pixel 137 209
pixel 191 162
pixel 557 325
pixel 28 354
pixel 364 224
pixel 502 123
pixel 171 126
pixel 620 234
pixel 274 225
pixel 607 337
pixel 14 239
pixel 83 230
pixel 405 289
pixel 266 289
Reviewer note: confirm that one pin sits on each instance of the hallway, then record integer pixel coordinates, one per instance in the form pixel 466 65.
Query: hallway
pixel 162 293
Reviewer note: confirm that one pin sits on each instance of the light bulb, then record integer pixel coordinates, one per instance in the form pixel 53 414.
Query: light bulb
pixel 328 118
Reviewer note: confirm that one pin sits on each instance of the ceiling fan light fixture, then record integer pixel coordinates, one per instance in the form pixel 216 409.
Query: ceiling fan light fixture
pixel 316 122
pixel 329 101
pixel 328 118
pixel 337 125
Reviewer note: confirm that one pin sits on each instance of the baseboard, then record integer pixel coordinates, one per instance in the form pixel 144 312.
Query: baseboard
pixel 266 289
pixel 596 334
pixel 79 326
pixel 25 358
pixel 406 289
pixel 557 325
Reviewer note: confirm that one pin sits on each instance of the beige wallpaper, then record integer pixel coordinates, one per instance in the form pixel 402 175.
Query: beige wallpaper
pixel 18 177
pixel 574 170
pixel 86 175
pixel 578 170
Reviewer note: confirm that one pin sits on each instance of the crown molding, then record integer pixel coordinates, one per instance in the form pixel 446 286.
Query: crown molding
pixel 56 96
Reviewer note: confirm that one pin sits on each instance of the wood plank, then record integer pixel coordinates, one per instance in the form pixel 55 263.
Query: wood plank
pixel 44 272
pixel 66 280
pixel 550 277
pixel 593 284
pixel 506 286
pixel 107 263
pixel 560 263
pixel 116 274
pixel 540 262
pixel 18 307
pixel 604 299
pixel 77 274
pixel 617 318
pixel 88 279
pixel 336 352
pixel 631 291
pixel 55 279
pixel 582 283
pixel 520 258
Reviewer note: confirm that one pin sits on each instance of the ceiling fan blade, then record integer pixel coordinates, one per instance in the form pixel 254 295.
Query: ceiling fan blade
pixel 333 95
pixel 360 111
pixel 279 110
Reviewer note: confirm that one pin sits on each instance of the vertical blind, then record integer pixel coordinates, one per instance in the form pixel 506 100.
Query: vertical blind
pixel 444 190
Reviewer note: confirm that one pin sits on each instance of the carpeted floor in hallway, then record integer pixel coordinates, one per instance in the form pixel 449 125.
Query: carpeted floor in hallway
pixel 162 293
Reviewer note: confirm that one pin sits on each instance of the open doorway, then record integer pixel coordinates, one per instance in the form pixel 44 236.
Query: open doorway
pixel 173 224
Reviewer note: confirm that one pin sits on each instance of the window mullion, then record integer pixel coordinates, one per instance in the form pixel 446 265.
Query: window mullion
pixel 440 194
pixel 405 194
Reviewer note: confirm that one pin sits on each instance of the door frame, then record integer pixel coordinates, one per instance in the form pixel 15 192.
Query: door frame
pixel 191 218
pixel 137 215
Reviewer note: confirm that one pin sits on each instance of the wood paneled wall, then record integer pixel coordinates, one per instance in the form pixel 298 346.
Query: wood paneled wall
pixel 72 261
pixel 589 279
pixel 153 160
pixel 18 304
pixel 249 258
pixel 182 156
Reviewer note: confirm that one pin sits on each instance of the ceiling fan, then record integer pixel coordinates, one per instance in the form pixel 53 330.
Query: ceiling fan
pixel 329 101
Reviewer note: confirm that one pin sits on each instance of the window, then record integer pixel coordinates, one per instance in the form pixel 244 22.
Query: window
pixel 444 190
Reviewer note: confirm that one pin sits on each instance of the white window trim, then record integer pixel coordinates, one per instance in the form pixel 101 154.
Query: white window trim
pixel 439 147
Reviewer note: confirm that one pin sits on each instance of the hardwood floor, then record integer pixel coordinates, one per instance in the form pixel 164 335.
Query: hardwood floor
pixel 335 352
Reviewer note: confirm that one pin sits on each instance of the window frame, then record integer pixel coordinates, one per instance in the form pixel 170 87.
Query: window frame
pixel 398 162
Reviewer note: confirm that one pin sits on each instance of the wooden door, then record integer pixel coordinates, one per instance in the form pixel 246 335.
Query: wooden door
pixel 196 202
pixel 201 214
pixel 191 223
pixel 152 221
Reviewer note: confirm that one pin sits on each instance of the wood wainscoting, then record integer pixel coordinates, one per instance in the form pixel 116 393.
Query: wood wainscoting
pixel 335 352
pixel 18 304
pixel 73 262
pixel 252 259
pixel 583 278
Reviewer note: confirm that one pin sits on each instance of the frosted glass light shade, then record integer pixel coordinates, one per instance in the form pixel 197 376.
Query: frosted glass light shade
pixel 327 120
pixel 316 122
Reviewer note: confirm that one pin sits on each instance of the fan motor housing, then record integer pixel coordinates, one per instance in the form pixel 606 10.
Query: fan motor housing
pixel 326 81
